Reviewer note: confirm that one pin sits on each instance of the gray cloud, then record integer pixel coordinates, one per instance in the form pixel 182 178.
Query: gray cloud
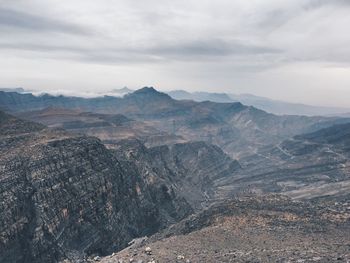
pixel 211 48
pixel 319 3
pixel 26 21
pixel 259 46
pixel 192 51
pixel 159 34
pixel 39 47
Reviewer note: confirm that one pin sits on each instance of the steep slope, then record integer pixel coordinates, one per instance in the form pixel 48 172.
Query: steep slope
pixel 67 196
pixel 306 166
pixel 187 169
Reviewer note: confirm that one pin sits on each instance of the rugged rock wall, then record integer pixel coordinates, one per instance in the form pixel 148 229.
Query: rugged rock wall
pixel 64 196
pixel 190 170
pixel 67 196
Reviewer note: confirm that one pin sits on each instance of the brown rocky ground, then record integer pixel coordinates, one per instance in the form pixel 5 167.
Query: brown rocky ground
pixel 250 230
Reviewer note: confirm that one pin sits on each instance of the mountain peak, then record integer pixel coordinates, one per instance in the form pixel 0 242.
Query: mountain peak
pixel 149 92
pixel 146 90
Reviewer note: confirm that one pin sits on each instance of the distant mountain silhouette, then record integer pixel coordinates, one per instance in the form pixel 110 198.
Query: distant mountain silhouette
pixel 200 96
pixel 121 92
pixel 19 90
pixel 266 104
pixel 238 129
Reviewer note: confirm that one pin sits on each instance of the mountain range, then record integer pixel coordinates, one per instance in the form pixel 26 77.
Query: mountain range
pixel 86 179
pixel 269 105
pixel 238 129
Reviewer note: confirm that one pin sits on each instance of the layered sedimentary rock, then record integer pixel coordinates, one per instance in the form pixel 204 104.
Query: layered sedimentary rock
pixel 64 196
pixel 68 196
pixel 189 170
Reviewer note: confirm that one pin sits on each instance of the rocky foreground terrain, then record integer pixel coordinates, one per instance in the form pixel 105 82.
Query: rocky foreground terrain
pixel 250 229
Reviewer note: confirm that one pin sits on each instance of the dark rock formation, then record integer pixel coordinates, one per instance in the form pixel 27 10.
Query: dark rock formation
pixel 188 169
pixel 66 196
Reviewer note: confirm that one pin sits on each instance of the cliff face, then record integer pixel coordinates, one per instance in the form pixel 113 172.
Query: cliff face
pixel 188 170
pixel 66 196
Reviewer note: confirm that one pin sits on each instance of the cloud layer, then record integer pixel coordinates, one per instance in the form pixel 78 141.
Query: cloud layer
pixel 268 47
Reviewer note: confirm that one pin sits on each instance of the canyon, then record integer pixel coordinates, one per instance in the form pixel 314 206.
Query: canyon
pixel 82 179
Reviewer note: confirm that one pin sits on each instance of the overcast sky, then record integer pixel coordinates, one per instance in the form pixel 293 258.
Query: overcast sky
pixel 295 50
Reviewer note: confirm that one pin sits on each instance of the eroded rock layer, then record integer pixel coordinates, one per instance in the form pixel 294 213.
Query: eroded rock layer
pixel 66 196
